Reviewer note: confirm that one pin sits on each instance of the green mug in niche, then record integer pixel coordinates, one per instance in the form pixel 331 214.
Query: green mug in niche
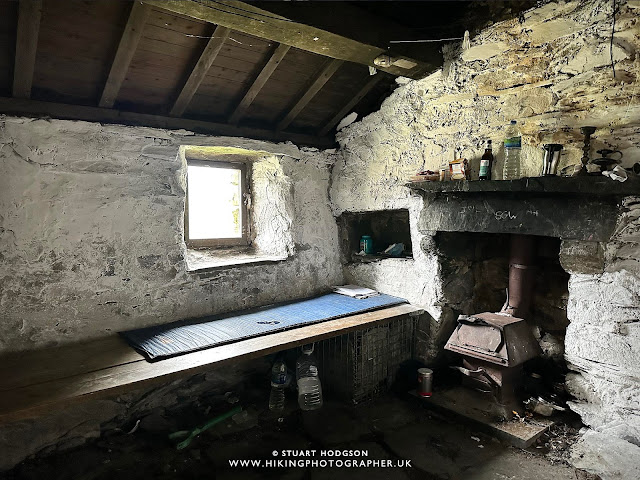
pixel 366 244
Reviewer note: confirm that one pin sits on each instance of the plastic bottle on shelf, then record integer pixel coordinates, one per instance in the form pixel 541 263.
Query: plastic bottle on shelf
pixel 280 379
pixel 512 145
pixel 309 387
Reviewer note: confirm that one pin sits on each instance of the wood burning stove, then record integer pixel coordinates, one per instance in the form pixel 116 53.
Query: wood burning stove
pixel 496 345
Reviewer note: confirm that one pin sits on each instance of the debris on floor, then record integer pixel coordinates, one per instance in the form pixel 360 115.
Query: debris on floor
pixel 389 438
pixel 556 442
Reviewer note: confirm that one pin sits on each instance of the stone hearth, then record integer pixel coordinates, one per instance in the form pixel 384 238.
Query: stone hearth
pixel 598 225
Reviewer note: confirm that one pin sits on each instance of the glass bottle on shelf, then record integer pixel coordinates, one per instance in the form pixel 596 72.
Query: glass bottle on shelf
pixel 486 163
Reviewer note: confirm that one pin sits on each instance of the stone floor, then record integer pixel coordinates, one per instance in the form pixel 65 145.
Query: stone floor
pixel 388 429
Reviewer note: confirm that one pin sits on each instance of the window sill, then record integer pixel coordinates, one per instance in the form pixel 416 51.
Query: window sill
pixel 201 260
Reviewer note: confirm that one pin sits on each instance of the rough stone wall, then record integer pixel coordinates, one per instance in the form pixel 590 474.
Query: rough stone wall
pixel 603 337
pixel 514 71
pixel 551 71
pixel 91 232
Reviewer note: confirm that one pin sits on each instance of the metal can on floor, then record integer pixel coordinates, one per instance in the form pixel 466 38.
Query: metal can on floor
pixel 425 382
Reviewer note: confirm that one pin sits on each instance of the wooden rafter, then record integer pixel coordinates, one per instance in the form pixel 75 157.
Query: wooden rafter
pixel 108 115
pixel 309 92
pixel 127 47
pixel 258 83
pixel 246 18
pixel 205 61
pixel 29 13
pixel 350 104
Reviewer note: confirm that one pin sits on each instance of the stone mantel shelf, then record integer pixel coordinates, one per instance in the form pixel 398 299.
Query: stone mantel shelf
pixel 576 208
pixel 588 185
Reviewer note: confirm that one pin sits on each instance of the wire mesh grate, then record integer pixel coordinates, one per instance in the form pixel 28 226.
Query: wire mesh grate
pixel 361 365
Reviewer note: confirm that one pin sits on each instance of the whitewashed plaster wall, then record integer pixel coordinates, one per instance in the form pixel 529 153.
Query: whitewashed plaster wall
pixel 91 232
pixel 552 73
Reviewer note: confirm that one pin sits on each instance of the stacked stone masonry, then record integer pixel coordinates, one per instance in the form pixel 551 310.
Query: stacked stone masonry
pixel 551 72
pixel 91 215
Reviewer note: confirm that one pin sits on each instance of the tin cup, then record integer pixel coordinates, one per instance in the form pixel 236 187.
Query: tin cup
pixel 425 382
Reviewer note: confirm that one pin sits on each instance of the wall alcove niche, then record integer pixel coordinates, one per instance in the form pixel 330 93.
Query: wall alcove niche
pixel 385 227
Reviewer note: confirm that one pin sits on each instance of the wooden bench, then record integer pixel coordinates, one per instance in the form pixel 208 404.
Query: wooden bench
pixel 33 382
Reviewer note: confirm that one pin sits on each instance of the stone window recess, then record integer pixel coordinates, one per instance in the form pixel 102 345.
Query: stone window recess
pixel 264 232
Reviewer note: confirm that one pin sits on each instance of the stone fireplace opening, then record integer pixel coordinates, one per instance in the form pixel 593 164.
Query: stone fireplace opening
pixel 475 273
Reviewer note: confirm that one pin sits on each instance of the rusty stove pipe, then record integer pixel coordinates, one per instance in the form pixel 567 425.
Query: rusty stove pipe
pixel 521 275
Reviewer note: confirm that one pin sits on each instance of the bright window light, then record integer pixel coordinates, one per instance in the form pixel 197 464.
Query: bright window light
pixel 214 202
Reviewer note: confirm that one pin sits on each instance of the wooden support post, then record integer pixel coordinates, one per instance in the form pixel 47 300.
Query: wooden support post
pixel 29 13
pixel 352 103
pixel 200 70
pixel 325 74
pixel 258 83
pixel 246 18
pixel 127 47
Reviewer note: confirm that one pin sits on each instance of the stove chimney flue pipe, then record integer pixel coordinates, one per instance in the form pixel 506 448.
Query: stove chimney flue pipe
pixel 521 275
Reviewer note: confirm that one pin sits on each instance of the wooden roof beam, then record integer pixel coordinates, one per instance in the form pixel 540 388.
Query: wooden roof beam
pixel 198 73
pixel 17 106
pixel 258 83
pixel 126 49
pixel 350 104
pixel 246 18
pixel 29 13
pixel 308 93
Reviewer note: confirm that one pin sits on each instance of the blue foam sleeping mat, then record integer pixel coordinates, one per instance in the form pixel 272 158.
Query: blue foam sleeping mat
pixel 185 336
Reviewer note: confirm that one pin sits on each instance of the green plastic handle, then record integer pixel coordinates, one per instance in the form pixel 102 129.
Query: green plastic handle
pixel 197 431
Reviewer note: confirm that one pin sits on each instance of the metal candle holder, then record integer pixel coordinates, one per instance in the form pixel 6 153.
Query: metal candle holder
pixel 587 132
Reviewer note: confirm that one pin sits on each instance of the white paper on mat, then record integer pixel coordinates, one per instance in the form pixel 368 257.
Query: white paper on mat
pixel 355 291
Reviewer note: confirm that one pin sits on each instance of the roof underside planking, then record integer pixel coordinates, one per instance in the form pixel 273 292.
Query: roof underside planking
pixel 218 67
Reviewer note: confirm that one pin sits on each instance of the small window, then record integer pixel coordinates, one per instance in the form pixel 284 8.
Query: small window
pixel 215 212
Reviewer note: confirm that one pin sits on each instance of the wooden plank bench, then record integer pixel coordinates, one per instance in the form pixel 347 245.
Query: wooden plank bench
pixel 33 382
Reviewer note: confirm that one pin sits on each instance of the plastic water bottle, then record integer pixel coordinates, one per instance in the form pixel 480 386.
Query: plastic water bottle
pixel 280 379
pixel 512 145
pixel 309 387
